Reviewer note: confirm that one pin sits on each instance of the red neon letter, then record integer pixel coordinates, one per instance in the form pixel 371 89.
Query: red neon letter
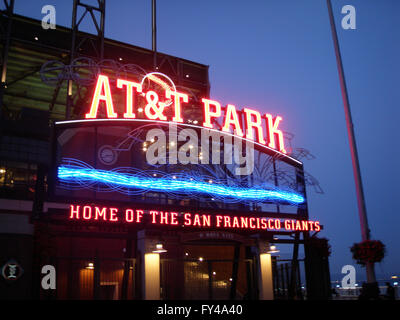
pixel 164 217
pixel 244 222
pixel 87 212
pixel 227 221
pixel 113 214
pixel 219 218
pixel 231 118
pixel 174 218
pixel 154 109
pixel 251 220
pixel 153 215
pixel 177 98
pixel 139 215
pixel 188 221
pixel 102 85
pixel 287 224
pixel 206 220
pixel 264 223
pixel 100 213
pixel 129 215
pixel 256 124
pixel 74 212
pixel 270 226
pixel 208 114
pixel 272 130
pixel 196 220
pixel 129 95
pixel 235 223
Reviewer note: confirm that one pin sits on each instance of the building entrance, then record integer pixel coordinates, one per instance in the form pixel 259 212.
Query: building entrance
pixel 210 271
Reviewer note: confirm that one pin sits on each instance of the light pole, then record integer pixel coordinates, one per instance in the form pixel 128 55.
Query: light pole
pixel 154 32
pixel 362 212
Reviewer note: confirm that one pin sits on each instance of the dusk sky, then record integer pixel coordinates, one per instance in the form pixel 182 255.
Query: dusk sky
pixel 278 57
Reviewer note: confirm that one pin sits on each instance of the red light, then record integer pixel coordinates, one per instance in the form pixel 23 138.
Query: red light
pixel 163 217
pixel 100 213
pixel 188 221
pixel 87 212
pixel 251 223
pixel 208 114
pixel 253 124
pixel 113 214
pixel 139 215
pixel 219 219
pixel 74 213
pixel 110 214
pixel 177 98
pixel 129 215
pixel 232 118
pixel 102 85
pixel 270 226
pixel 154 109
pixel 212 109
pixel 129 96
pixel 272 130
pixel 174 218
pixel 153 216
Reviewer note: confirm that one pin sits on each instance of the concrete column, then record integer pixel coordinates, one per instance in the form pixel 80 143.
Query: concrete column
pixel 150 269
pixel 265 280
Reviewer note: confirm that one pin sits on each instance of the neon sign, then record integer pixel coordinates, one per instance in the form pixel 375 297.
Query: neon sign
pixel 252 129
pixel 172 183
pixel 92 213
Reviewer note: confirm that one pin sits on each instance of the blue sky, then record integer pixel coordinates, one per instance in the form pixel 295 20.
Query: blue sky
pixel 278 56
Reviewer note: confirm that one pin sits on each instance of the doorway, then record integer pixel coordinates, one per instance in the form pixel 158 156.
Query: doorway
pixel 210 272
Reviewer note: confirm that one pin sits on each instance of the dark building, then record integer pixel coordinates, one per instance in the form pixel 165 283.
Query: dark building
pixel 77 193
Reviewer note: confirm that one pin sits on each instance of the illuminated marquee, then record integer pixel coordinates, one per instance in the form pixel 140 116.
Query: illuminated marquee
pixel 173 183
pixel 187 219
pixel 254 121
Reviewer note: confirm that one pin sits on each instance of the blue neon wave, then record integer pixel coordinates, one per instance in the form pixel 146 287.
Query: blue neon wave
pixel 176 184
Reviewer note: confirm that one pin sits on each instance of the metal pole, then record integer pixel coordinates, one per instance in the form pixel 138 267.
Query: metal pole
pixel 154 32
pixel 362 212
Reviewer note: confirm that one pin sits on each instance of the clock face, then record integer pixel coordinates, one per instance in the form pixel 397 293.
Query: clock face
pixel 107 155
